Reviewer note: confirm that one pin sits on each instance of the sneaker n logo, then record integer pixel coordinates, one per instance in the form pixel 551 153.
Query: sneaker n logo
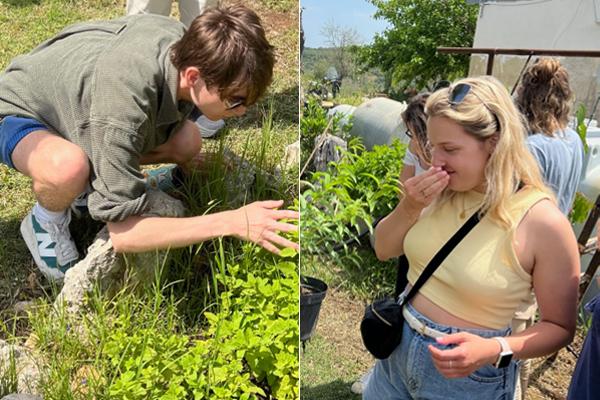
pixel 45 245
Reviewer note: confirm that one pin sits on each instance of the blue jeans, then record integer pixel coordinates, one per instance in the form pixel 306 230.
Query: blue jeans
pixel 585 384
pixel 409 372
pixel 12 130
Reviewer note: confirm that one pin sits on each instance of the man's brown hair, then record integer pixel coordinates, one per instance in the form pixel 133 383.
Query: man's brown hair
pixel 545 97
pixel 229 47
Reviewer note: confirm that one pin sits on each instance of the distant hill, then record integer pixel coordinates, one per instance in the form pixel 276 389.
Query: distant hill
pixel 314 59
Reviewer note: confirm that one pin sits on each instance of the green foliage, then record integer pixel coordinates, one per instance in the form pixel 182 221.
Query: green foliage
pixel 580 209
pixel 249 348
pixel 584 320
pixel 582 127
pixel 408 48
pixel 243 345
pixel 362 186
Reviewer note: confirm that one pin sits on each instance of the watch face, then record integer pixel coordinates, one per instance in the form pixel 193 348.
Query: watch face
pixel 504 360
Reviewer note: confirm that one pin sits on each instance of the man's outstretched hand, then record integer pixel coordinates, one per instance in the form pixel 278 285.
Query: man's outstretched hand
pixel 260 222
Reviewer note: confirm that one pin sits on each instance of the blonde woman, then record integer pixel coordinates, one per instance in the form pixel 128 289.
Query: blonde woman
pixel 458 343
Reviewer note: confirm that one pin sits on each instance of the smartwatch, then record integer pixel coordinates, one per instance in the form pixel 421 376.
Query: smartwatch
pixel 505 355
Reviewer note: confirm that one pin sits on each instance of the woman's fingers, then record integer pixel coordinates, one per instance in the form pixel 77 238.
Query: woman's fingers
pixel 284 227
pixel 285 214
pixel 426 187
pixel 431 180
pixel 437 187
pixel 280 240
pixel 268 246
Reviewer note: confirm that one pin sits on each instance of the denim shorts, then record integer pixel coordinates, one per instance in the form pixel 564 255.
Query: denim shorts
pixel 12 130
pixel 409 372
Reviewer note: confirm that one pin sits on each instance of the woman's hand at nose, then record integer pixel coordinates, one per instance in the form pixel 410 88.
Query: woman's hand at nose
pixel 423 189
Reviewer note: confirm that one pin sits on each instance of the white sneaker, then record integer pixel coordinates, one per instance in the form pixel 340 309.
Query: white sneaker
pixel 359 386
pixel 208 127
pixel 51 246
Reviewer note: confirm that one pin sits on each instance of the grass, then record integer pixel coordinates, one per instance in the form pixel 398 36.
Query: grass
pixel 211 278
pixel 358 273
pixel 334 357
pixel 323 379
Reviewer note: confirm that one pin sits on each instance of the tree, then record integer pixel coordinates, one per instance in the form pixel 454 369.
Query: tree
pixel 407 50
pixel 341 39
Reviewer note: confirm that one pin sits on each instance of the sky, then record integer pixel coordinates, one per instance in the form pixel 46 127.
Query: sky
pixel 357 14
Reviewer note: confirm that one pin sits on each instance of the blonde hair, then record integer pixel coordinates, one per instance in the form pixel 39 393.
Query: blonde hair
pixel 485 106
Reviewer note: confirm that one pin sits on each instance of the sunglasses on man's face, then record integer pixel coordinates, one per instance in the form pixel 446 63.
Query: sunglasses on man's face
pixel 230 104
pixel 460 91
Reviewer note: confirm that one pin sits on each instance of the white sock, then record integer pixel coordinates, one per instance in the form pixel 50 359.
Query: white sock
pixel 45 216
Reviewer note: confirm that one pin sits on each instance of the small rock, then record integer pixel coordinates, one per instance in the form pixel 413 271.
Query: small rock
pixel 292 155
pixel 21 307
pixel 26 367
pixel 104 266
pixel 17 396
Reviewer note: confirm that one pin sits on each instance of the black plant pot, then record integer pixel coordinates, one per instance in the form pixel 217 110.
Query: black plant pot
pixel 312 293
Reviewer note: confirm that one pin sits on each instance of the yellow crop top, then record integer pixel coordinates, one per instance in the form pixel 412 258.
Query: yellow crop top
pixel 481 280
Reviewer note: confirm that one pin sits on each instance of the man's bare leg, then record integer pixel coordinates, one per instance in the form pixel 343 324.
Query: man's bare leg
pixel 59 169
pixel 181 148
pixel 60 172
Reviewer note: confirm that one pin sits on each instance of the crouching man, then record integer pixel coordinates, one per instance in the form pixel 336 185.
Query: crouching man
pixel 100 99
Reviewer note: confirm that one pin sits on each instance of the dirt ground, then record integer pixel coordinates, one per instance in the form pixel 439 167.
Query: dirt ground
pixel 339 324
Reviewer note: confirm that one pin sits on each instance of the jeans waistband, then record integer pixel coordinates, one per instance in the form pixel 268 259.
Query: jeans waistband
pixel 447 330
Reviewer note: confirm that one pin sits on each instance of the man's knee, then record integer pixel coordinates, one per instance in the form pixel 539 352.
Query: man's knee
pixel 68 169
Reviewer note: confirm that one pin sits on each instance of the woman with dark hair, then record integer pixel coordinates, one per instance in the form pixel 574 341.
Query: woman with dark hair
pixel 417 158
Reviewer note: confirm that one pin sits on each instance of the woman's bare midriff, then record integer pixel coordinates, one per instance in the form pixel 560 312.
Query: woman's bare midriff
pixel 439 315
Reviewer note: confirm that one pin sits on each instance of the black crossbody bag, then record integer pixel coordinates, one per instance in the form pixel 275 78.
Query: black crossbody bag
pixel 381 326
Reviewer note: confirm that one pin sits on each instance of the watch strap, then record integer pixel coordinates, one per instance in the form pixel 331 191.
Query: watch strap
pixel 505 355
pixel 504 347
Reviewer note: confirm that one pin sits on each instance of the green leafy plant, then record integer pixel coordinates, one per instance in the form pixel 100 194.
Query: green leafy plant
pixel 581 126
pixel 580 209
pixel 362 186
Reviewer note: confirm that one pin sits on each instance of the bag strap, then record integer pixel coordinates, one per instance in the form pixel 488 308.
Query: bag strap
pixel 441 255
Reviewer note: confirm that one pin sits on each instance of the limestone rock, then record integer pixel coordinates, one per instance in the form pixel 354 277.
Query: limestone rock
pixel 292 155
pixel 26 367
pixel 105 267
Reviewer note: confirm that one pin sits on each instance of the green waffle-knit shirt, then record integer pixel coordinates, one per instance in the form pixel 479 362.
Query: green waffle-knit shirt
pixel 110 88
